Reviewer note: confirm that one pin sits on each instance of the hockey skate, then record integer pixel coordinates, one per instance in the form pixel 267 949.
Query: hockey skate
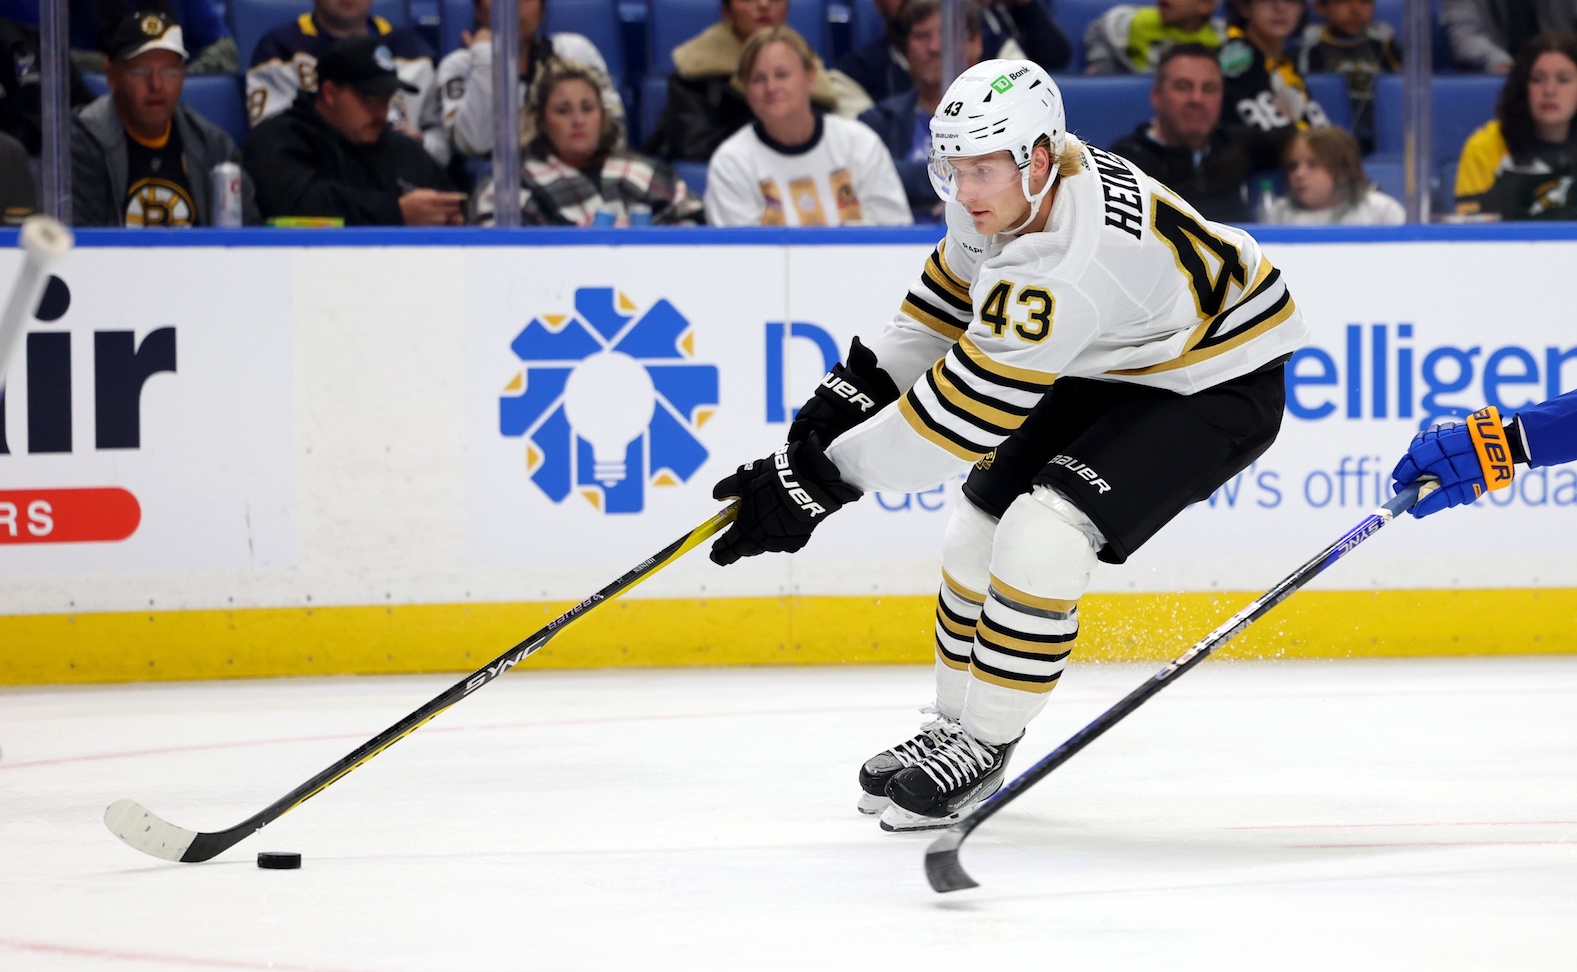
pixel 880 768
pixel 955 776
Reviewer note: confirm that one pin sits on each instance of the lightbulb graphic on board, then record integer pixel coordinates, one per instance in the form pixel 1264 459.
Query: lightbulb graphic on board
pixel 609 401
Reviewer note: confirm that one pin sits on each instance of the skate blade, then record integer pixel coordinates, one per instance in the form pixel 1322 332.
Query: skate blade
pixel 871 804
pixel 897 820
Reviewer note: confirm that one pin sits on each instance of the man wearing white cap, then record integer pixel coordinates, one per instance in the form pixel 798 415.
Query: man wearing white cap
pixel 140 157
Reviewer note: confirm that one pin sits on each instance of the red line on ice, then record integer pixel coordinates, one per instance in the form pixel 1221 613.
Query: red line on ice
pixel 158 959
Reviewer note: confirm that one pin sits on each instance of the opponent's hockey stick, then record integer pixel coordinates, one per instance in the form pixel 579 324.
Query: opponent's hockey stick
pixel 941 858
pixel 44 243
pixel 135 825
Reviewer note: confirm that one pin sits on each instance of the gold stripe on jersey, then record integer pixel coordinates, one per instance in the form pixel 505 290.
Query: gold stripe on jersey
pixel 993 415
pixel 964 593
pixel 1036 684
pixel 1017 599
pixel 936 272
pixel 954 625
pixel 1022 644
pixel 950 660
pixel 929 430
pixel 1026 379
pixel 959 283
pixel 924 313
pixel 1234 326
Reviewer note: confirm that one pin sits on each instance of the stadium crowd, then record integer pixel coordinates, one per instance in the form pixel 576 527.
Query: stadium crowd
pixel 770 112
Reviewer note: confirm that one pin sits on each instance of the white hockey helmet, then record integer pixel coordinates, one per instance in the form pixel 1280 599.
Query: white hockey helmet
pixel 995 106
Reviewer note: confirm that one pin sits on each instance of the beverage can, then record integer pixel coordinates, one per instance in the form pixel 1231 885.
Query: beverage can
pixel 640 215
pixel 226 181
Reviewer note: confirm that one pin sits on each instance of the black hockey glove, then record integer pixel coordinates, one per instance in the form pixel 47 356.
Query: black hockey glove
pixel 781 500
pixel 848 395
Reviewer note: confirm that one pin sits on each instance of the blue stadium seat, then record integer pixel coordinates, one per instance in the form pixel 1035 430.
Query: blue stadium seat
pixel 868 23
pixel 598 21
pixel 457 16
pixel 1330 90
pixel 1103 109
pixel 672 22
pixel 694 176
pixel 251 19
pixel 654 92
pixel 217 97
pixel 1461 103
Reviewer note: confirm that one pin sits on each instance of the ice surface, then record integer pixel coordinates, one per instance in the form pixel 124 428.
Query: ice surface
pixel 1267 815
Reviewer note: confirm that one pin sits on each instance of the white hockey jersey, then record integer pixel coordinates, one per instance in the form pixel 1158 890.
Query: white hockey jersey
pixel 842 177
pixel 1127 283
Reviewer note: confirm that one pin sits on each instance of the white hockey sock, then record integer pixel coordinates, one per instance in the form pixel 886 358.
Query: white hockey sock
pixel 1040 567
pixel 966 561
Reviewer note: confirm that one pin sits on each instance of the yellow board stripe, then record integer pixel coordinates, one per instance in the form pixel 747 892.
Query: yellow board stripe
pixel 256 642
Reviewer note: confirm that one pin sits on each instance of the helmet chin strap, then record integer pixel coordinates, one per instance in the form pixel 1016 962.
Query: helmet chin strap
pixel 1034 198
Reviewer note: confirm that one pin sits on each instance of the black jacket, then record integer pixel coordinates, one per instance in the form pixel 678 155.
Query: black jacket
pixel 1217 183
pixel 699 115
pixel 21 87
pixel 304 167
pixel 893 120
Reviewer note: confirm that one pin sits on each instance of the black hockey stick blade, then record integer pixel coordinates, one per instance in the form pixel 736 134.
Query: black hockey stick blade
pixel 942 867
pixel 941 864
pixel 143 830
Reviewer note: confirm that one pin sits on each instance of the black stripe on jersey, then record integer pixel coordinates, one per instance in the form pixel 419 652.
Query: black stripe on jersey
pixel 938 259
pixel 991 428
pixel 975 395
pixel 986 642
pixel 948 297
pixel 931 317
pixel 1016 676
pixel 1215 337
pixel 958 628
pixel 953 616
pixel 942 431
pixel 963 360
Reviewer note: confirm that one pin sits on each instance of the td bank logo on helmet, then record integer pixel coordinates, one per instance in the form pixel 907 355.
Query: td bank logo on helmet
pixel 1002 84
pixel 1084 472
pixel 609 401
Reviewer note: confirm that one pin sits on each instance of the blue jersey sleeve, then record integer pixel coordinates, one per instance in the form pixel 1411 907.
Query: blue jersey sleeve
pixel 1551 430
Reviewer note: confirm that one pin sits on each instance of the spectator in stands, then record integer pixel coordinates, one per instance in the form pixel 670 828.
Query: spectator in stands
pixel 334 154
pixel 21 88
pixel 574 172
pixel 1353 44
pixel 1523 164
pixel 18 196
pixel 286 59
pixel 904 120
pixel 1187 147
pixel 1129 39
pixel 465 77
pixel 138 156
pixel 88 21
pixel 1264 90
pixel 1484 33
pixel 1326 185
pixel 705 103
pixel 795 165
pixel 1020 29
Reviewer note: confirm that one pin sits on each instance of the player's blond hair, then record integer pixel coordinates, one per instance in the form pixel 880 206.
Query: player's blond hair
pixel 1071 161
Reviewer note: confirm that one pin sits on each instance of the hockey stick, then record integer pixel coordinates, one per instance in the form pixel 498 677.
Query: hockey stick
pixel 44 243
pixel 138 827
pixel 941 858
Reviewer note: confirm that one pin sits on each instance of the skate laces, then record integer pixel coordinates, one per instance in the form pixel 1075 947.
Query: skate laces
pixel 911 752
pixel 957 759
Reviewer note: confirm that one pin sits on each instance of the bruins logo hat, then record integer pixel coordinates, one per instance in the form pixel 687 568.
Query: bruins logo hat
pixel 145 26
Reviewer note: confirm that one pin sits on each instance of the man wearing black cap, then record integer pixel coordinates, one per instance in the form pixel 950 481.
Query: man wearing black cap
pixel 138 156
pixel 332 153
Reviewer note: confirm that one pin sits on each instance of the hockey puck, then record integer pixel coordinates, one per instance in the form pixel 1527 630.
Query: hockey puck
pixel 279 860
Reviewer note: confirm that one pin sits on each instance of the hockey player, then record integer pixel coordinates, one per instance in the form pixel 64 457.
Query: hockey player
pixel 1480 456
pixel 1101 356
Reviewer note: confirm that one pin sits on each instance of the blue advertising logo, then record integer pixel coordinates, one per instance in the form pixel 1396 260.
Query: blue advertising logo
pixel 609 401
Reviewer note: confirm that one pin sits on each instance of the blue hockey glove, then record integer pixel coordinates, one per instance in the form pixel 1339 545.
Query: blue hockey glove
pixel 1468 459
pixel 782 498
